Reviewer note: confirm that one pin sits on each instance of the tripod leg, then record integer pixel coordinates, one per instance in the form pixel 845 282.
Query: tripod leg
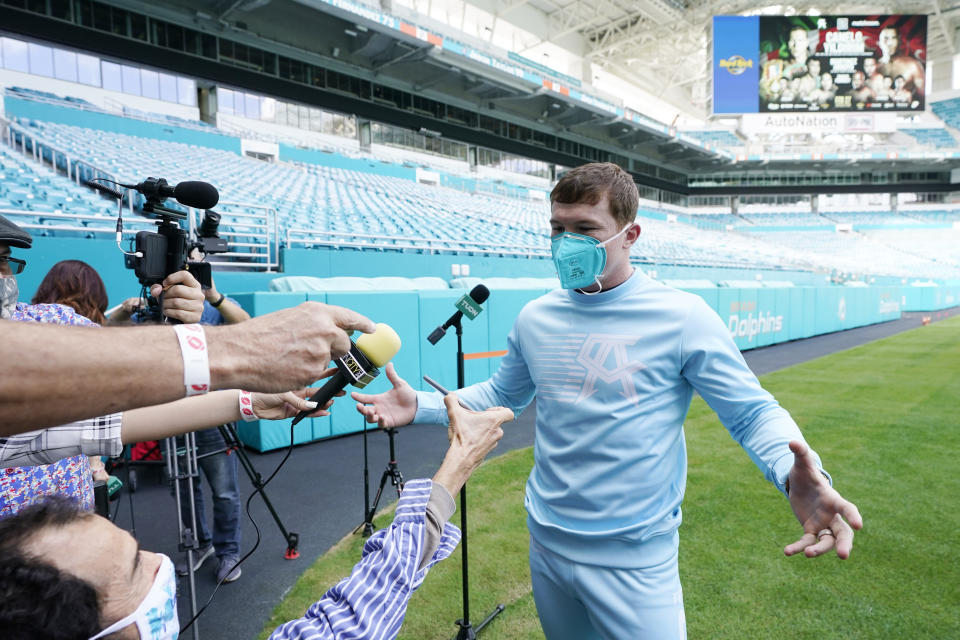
pixel 368 523
pixel 232 440
pixel 397 480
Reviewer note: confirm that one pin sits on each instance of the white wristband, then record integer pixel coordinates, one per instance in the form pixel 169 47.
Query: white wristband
pixel 196 363
pixel 246 407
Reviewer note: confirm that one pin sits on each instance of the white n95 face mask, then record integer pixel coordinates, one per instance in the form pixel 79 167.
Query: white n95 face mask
pixel 156 617
pixel 9 292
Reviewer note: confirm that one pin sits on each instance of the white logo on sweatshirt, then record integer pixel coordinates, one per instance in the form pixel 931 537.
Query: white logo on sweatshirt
pixel 571 366
pixel 595 355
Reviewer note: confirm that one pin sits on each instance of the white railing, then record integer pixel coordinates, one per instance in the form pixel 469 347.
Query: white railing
pixel 339 239
pixel 30 143
pixel 252 238
pixel 74 222
pixel 251 231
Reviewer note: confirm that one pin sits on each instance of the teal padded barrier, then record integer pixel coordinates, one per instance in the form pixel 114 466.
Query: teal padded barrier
pixel 889 304
pixel 711 296
pixel 728 307
pixel 502 308
pixel 930 298
pixel 321 427
pixel 264 435
pixel 809 312
pixel 400 310
pixel 782 310
pixel 439 361
pixel 858 312
pixel 770 324
pixel 747 324
pixel 793 313
pixel 828 310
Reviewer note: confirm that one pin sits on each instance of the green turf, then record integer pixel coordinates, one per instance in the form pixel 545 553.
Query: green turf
pixel 885 418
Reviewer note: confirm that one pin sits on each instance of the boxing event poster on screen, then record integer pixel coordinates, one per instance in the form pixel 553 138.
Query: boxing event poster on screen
pixel 790 64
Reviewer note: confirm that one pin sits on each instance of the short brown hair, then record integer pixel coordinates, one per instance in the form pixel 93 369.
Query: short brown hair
pixel 75 284
pixel 587 184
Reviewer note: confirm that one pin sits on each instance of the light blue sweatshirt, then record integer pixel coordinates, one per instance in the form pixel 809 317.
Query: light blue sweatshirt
pixel 613 375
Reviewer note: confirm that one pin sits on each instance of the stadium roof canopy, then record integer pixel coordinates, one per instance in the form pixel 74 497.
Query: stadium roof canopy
pixel 663 46
pixel 369 60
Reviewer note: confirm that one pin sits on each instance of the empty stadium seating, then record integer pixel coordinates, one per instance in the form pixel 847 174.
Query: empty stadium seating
pixel 333 206
pixel 938 138
pixel 716 138
pixel 948 111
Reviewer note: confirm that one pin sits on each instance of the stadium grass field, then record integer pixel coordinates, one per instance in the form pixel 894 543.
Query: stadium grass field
pixel 886 420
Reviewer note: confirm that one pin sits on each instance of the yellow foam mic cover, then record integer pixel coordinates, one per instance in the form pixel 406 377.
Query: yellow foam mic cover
pixel 381 345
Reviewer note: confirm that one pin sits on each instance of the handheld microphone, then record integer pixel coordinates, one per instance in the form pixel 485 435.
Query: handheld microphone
pixel 360 365
pixel 470 304
pixel 192 193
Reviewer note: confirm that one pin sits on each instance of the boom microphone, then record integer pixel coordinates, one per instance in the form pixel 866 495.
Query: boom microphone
pixel 359 366
pixel 192 193
pixel 477 296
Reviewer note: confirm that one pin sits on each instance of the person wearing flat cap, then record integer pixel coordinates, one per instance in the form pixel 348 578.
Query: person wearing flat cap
pixel 10 236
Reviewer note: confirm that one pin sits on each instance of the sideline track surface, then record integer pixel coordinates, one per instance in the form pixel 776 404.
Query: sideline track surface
pixel 319 493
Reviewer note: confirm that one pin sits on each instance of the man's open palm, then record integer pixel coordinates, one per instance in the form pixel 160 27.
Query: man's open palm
pixel 828 520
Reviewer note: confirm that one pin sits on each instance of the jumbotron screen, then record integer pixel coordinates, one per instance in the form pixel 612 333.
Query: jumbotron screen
pixel 818 63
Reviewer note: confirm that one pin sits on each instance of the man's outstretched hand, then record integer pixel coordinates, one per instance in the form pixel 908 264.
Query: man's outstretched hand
pixel 828 520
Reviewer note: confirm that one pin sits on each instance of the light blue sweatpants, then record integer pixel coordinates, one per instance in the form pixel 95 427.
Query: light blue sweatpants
pixel 586 602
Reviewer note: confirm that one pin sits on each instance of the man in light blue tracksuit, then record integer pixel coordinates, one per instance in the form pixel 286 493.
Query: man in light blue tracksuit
pixel 613 359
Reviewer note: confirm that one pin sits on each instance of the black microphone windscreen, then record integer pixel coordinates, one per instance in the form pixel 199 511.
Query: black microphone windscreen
pixel 196 194
pixel 480 293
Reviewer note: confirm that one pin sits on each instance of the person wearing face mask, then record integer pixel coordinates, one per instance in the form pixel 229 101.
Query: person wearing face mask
pixel 53 588
pixel 613 359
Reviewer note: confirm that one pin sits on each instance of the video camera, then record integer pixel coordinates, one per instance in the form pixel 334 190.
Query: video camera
pixel 168 249
pixel 158 254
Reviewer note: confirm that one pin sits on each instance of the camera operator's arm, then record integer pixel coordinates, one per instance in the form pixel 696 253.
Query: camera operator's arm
pixel 53 375
pixel 106 435
pixel 123 313
pixel 182 297
pixel 232 312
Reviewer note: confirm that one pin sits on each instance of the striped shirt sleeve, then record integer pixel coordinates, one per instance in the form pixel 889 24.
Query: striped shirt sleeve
pixel 371 603
pixel 99 436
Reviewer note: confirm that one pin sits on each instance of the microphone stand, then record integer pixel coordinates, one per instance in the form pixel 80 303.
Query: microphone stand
pixel 392 473
pixel 467 631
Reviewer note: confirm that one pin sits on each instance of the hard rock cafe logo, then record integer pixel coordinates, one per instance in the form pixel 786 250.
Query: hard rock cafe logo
pixel 736 64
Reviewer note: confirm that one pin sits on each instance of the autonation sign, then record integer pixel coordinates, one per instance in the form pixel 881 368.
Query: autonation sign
pixel 822 122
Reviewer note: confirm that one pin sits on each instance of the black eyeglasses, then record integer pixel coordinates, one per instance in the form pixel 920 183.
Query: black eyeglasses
pixel 11 266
